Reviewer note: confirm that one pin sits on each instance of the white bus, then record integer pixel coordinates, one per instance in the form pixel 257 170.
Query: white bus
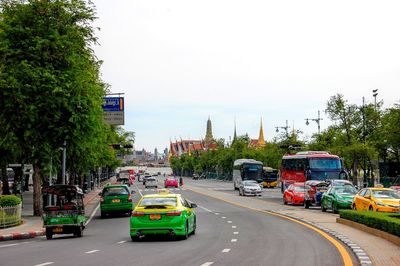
pixel 246 169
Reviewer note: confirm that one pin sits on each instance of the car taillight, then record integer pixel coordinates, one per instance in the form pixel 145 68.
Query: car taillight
pixel 129 198
pixel 176 213
pixel 137 214
pixel 101 199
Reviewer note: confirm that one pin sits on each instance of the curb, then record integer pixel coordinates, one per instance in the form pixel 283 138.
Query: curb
pixel 360 254
pixel 23 235
pixel 376 232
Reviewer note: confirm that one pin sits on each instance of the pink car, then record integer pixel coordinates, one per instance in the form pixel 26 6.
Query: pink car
pixel 171 182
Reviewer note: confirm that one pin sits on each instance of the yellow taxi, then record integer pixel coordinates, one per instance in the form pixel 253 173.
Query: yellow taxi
pixel 163 214
pixel 377 199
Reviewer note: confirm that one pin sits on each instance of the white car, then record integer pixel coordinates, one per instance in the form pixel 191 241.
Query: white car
pixel 151 182
pixel 250 187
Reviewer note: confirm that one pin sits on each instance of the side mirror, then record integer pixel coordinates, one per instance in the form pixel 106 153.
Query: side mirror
pixel 193 205
pixel 99 193
pixel 367 196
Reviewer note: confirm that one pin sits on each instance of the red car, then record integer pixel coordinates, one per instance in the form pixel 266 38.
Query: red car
pixel 171 182
pixel 295 193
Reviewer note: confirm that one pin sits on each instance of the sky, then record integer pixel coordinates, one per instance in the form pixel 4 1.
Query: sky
pixel 180 62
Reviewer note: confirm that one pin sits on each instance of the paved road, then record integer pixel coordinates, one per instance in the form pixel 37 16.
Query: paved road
pixel 226 235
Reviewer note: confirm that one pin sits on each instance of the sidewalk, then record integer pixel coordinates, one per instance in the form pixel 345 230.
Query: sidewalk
pixel 368 248
pixel 32 226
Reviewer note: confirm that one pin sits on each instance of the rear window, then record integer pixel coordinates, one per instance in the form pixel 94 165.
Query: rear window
pixel 114 191
pixel 170 201
pixel 302 188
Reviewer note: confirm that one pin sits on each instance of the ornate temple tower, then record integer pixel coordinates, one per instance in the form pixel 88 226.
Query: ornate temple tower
pixel 261 140
pixel 209 137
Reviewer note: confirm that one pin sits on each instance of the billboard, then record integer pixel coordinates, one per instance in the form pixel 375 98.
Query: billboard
pixel 113 108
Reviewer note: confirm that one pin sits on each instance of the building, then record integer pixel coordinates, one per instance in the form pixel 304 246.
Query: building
pixel 260 142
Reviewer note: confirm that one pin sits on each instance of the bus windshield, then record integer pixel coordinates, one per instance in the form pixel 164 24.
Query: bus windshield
pixel 252 172
pixel 324 163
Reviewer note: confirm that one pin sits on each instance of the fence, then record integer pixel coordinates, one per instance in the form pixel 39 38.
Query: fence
pixel 10 216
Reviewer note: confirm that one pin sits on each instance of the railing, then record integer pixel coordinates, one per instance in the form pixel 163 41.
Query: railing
pixel 10 216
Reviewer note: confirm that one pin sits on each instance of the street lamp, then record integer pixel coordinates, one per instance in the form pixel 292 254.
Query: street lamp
pixel 315 120
pixel 284 128
pixel 375 93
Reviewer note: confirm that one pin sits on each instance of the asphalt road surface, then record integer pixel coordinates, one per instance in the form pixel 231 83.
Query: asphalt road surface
pixel 226 235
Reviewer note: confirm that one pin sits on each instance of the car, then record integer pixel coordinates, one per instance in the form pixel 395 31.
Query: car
pixel 115 199
pixel 377 199
pixel 314 196
pixel 195 176
pixel 151 182
pixel 163 214
pixel 338 197
pixel 250 187
pixel 171 182
pixel 145 177
pixel 295 193
pixel 339 182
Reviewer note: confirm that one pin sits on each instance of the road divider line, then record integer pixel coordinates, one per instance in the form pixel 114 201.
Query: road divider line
pixel 226 250
pixel 93 213
pixel 8 245
pixel 44 264
pixel 207 210
pixel 139 190
pixel 229 222
pixel 234 240
pixel 216 213
pixel 92 251
pixel 235 233
pixel 207 263
pixel 341 249
pixel 223 217
pixel 234 226
pixel 121 242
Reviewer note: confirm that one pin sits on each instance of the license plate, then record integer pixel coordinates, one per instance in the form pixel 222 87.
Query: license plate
pixel 155 216
pixel 57 230
pixel 116 200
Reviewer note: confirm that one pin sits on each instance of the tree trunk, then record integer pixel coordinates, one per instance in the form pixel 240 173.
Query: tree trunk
pixel 6 188
pixel 37 191
pixel 355 172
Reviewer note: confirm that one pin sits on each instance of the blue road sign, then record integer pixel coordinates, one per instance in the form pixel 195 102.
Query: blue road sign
pixel 112 104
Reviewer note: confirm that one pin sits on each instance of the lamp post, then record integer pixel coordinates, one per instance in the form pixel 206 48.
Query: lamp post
pixel 375 93
pixel 317 120
pixel 64 159
pixel 286 128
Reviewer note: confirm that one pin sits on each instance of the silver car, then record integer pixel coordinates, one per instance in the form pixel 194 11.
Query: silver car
pixel 151 182
pixel 250 187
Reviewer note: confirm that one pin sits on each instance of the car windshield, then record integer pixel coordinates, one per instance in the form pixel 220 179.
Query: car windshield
pixel 301 188
pixel 250 183
pixel 385 194
pixel 345 190
pixel 170 201
pixel 324 163
pixel 114 191
pixel 252 171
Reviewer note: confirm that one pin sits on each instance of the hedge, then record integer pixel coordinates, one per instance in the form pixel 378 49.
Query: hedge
pixel 9 200
pixel 388 222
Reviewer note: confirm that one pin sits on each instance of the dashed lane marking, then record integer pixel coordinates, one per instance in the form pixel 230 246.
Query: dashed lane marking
pixel 234 226
pixel 234 240
pixel 216 213
pixel 92 251
pixel 121 242
pixel 207 210
pixel 44 264
pixel 223 217
pixel 207 263
pixel 8 245
pixel 235 233
pixel 229 222
pixel 226 250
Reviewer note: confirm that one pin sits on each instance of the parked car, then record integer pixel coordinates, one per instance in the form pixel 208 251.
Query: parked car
pixel 171 182
pixel 295 193
pixel 377 199
pixel 151 182
pixel 250 187
pixel 314 196
pixel 339 182
pixel 338 197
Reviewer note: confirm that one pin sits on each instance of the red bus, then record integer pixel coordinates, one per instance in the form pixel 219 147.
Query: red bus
pixel 310 165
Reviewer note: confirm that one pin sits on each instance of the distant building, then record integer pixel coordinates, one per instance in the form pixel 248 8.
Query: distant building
pixel 260 142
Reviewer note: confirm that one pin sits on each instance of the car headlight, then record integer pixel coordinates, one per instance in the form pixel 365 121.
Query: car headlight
pixel 381 203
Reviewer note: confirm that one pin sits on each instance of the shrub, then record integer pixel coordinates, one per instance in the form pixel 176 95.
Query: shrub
pixel 9 200
pixel 388 222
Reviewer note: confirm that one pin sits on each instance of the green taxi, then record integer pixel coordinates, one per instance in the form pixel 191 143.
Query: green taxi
pixel 164 214
pixel 338 197
pixel 115 199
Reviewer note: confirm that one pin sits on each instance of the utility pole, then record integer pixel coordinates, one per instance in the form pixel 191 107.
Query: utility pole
pixel 375 93
pixel 364 161
pixel 317 120
pixel 286 128
pixel 64 159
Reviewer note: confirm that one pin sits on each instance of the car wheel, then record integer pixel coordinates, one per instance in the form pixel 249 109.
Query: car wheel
pixel 370 209
pixel 186 235
pixel 306 204
pixel 194 227
pixel 49 234
pixel 354 207
pixel 323 207
pixel 135 238
pixel 103 215
pixel 334 208
pixel 284 201
pixel 78 231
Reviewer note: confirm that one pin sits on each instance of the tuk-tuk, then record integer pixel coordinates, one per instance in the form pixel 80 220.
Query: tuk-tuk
pixel 63 210
pixel 270 177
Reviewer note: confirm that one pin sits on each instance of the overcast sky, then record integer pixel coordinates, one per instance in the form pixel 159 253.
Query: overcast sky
pixel 179 62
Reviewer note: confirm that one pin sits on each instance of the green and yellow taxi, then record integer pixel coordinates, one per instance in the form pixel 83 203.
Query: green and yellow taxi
pixel 338 197
pixel 377 199
pixel 164 214
pixel 115 198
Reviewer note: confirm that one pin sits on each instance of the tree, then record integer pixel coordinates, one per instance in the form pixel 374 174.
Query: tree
pixel 49 78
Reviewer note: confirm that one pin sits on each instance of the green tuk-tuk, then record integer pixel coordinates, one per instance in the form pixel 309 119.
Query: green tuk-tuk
pixel 63 210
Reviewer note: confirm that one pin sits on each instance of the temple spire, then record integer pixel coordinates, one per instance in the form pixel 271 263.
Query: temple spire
pixel 209 137
pixel 261 140
pixel 234 133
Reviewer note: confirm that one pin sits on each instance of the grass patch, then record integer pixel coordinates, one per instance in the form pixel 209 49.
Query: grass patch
pixel 388 222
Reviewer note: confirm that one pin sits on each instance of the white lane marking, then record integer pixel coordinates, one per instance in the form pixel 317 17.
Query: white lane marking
pixel 216 213
pixel 235 233
pixel 92 251
pixel 204 208
pixel 234 240
pixel 8 245
pixel 44 264
pixel 229 222
pixel 234 226
pixel 139 190
pixel 223 217
pixel 207 264
pixel 226 250
pixel 121 242
pixel 91 216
